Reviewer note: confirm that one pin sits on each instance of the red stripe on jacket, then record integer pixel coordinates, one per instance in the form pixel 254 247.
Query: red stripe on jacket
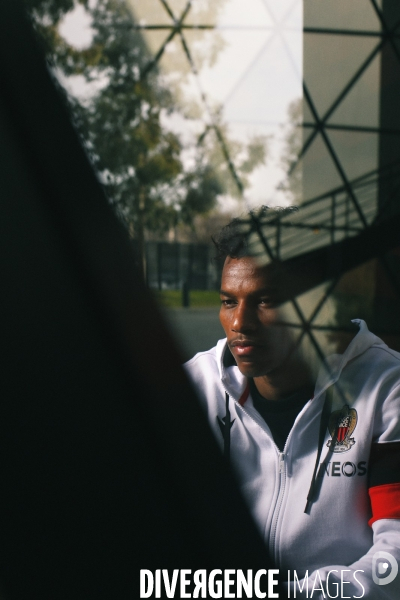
pixel 385 502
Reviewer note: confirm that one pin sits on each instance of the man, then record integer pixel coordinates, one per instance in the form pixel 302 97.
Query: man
pixel 317 458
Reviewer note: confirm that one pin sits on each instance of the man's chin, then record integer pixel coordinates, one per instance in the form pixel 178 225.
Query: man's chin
pixel 250 369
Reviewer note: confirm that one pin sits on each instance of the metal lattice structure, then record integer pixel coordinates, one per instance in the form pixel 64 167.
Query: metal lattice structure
pixel 346 160
pixel 317 123
pixel 355 203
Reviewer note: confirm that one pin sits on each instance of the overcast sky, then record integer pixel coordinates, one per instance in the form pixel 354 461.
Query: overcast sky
pixel 257 74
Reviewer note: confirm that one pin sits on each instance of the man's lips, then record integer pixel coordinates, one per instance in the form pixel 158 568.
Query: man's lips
pixel 244 347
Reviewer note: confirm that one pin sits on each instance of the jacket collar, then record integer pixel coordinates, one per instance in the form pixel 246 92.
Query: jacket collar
pixel 364 340
pixel 235 383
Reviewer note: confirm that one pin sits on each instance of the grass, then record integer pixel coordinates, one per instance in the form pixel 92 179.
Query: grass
pixel 198 298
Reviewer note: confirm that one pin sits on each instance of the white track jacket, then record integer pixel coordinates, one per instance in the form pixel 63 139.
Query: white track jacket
pixel 355 507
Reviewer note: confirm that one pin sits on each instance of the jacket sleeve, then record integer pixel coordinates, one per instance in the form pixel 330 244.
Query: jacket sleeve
pixel 375 576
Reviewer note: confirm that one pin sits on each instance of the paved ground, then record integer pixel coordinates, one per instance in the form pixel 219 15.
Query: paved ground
pixel 195 329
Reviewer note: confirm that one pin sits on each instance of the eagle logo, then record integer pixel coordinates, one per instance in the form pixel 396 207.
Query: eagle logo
pixel 341 425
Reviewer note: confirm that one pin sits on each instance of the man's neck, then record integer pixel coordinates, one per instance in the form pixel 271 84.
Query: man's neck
pixel 284 381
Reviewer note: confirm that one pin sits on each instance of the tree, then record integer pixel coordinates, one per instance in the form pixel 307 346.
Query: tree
pixel 139 159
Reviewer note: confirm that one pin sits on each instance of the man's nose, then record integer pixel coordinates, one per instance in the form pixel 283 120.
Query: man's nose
pixel 245 318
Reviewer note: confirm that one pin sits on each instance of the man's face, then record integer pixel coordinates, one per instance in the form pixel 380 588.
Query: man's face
pixel 250 317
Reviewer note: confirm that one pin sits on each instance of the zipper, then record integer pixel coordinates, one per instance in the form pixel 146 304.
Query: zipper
pixel 282 475
pixel 282 483
pixel 282 486
pixel 281 462
pixel 281 470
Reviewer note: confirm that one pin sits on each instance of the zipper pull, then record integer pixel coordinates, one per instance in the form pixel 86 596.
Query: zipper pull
pixel 281 462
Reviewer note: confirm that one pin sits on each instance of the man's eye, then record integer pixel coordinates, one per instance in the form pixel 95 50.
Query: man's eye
pixel 226 302
pixel 266 301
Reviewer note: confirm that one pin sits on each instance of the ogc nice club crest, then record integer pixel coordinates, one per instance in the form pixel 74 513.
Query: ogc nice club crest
pixel 341 425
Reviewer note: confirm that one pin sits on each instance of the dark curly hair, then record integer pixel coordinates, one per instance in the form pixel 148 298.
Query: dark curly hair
pixel 238 237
